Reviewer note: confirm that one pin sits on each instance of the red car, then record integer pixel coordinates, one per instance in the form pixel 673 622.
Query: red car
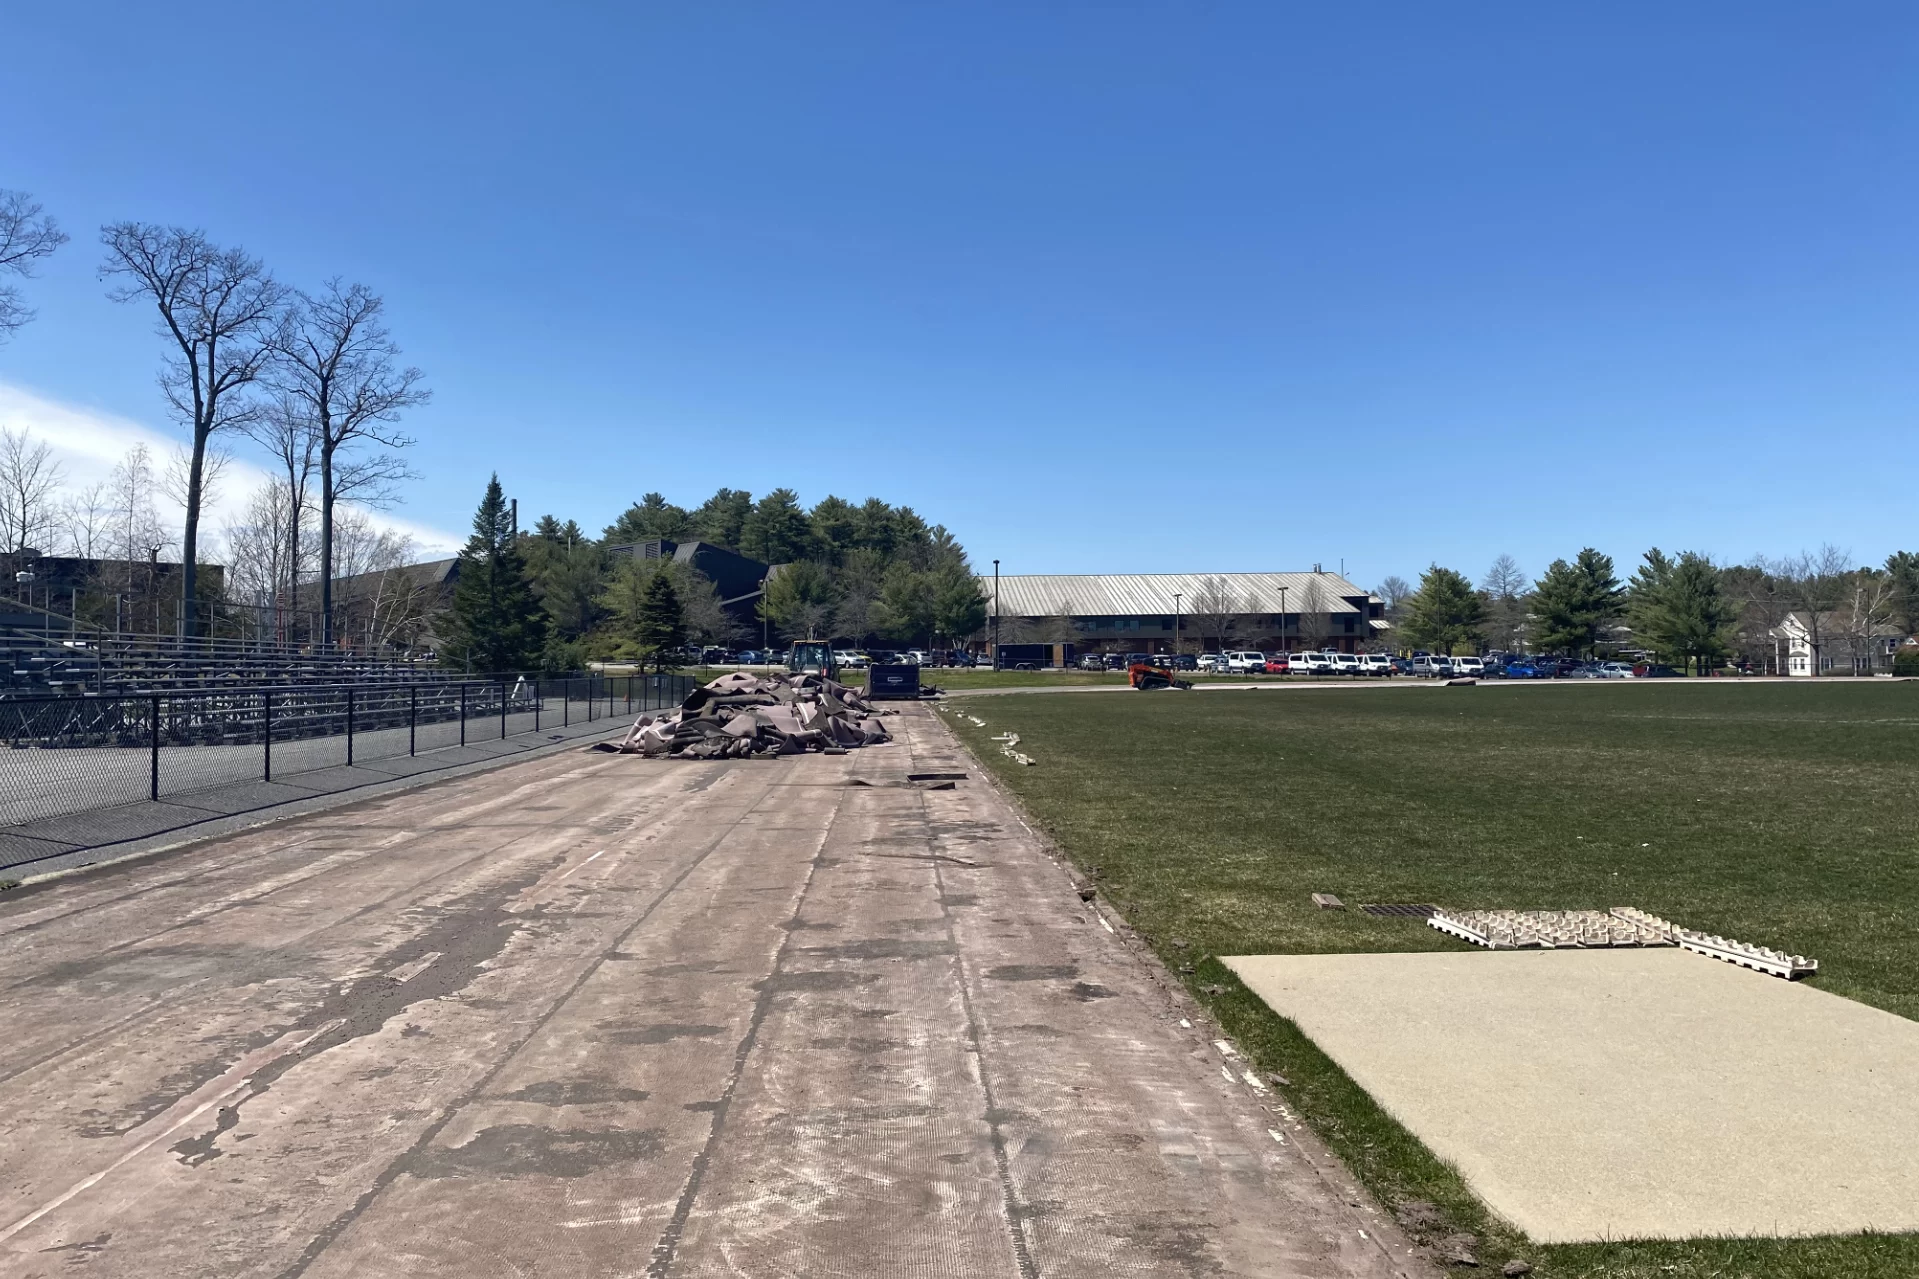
pixel 1277 664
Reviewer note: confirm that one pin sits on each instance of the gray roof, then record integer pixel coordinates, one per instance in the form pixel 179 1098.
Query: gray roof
pixel 1150 594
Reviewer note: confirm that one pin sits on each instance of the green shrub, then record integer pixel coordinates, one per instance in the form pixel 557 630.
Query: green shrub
pixel 1905 662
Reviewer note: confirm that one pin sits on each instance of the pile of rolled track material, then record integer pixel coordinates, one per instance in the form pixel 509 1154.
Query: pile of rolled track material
pixel 738 716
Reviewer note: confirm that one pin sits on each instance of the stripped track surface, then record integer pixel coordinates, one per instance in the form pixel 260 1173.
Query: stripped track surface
pixel 602 1015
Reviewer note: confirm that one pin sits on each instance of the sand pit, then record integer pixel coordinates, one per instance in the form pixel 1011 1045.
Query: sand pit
pixel 1615 1094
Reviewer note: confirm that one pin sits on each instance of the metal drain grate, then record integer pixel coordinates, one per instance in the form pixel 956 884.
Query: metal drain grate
pixel 1401 910
pixel 936 777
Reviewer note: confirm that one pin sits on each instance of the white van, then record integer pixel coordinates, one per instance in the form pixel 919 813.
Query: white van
pixel 1310 663
pixel 1347 664
pixel 1375 664
pixel 1246 663
pixel 1469 666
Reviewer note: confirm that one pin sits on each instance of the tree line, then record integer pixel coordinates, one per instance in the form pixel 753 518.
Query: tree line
pixel 1679 607
pixel 555 597
pixel 312 377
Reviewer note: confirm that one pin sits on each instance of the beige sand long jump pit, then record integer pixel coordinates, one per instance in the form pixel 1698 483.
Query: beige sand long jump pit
pixel 1622 1094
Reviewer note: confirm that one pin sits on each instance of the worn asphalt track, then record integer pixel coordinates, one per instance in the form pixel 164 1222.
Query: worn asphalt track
pixel 600 1015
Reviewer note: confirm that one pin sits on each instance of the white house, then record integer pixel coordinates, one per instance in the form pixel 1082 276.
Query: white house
pixel 1835 643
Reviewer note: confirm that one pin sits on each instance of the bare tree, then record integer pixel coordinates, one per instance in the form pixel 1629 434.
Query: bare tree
pixel 384 600
pixel 1815 583
pixel 1866 617
pixel 29 491
pixel 259 546
pixel 1315 618
pixel 285 429
pixel 218 307
pixel 1505 589
pixel 27 234
pixel 1215 608
pixel 84 519
pixel 133 537
pixel 340 362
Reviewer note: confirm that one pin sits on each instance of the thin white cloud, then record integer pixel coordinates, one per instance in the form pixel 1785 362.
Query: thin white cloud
pixel 90 443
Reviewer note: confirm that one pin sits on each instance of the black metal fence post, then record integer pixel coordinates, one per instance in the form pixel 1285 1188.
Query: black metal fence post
pixel 566 703
pixel 266 736
pixel 502 710
pixel 153 788
pixel 412 716
pixel 536 703
pixel 349 726
pixel 463 714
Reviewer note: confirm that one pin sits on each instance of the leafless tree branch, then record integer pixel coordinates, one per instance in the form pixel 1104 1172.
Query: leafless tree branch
pixel 27 234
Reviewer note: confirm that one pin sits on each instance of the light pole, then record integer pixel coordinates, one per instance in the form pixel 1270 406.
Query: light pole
pixel 766 627
pixel 995 614
pixel 1176 598
pixel 1282 619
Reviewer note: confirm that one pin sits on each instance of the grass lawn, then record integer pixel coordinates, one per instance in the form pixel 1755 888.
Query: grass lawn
pixel 1786 815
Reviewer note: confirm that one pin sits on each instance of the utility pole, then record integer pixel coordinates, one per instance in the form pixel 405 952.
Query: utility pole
pixel 1176 597
pixel 995 614
pixel 1282 620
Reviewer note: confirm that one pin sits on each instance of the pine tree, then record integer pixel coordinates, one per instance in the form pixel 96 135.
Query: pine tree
pixel 1574 604
pixel 1444 612
pixel 777 532
pixel 1678 608
pixel 660 626
pixel 495 625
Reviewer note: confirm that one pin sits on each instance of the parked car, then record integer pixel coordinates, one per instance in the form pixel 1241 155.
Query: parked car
pixel 1615 670
pixel 1209 661
pixel 1402 665
pixel 1376 664
pixel 1348 664
pixel 1183 662
pixel 1311 663
pixel 1654 670
pixel 1433 667
pixel 1091 662
pixel 1246 663
pixel 1278 665
pixel 853 660
pixel 1469 666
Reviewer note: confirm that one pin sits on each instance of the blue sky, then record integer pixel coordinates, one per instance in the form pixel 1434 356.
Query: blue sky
pixel 1100 287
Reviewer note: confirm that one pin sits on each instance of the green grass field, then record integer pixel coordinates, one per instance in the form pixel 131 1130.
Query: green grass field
pixel 1781 814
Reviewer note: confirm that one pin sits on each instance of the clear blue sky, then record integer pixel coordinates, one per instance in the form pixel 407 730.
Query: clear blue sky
pixel 1100 287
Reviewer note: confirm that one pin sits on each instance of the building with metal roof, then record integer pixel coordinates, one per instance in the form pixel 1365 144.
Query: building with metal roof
pixel 1207 612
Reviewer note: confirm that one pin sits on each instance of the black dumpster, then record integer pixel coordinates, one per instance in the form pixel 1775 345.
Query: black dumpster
pixel 900 682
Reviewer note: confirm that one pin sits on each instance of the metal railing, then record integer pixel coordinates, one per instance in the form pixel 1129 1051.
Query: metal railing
pixel 69 755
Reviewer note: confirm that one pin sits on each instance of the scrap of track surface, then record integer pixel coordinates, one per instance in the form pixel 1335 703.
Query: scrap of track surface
pixel 596 1014
pixel 1626 1094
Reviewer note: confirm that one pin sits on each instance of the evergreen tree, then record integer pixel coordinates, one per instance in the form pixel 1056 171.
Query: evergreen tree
pixel 650 519
pixel 660 625
pixel 905 607
pixel 495 625
pixel 1678 608
pixel 1444 612
pixel 1574 604
pixel 798 599
pixel 721 517
pixel 777 531
pixel 958 605
pixel 1903 567
pixel 835 528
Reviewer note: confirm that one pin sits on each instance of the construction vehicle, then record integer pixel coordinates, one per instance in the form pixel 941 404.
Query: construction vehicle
pixel 1146 677
pixel 812 657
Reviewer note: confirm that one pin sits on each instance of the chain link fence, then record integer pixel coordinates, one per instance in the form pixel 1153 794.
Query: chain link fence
pixel 70 755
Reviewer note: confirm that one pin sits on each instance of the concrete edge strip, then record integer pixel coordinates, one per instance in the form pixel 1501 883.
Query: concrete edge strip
pixel 1191 1014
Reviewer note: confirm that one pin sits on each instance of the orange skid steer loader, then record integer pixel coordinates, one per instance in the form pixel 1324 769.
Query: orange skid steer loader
pixel 1145 678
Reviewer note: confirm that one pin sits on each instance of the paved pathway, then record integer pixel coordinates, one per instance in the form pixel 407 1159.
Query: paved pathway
pixel 599 1015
